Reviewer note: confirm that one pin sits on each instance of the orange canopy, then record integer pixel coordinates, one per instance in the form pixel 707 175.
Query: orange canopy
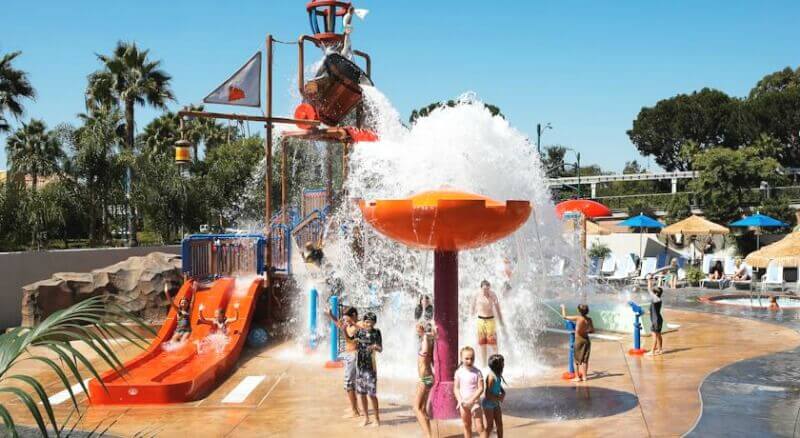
pixel 446 220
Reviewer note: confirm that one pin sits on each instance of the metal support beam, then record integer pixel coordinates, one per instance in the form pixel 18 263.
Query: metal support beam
pixel 674 185
pixel 594 190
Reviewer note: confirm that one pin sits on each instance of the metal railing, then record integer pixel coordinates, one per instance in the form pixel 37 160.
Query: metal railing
pixel 209 256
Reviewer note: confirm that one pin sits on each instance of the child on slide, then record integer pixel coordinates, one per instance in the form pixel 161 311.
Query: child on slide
pixel 183 312
pixel 219 328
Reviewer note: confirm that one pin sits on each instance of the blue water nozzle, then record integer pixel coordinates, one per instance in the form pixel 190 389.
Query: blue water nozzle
pixel 636 308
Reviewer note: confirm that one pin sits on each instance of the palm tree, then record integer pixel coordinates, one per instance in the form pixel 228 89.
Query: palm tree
pixel 32 150
pixel 92 322
pixel 128 78
pixel 95 161
pixel 14 86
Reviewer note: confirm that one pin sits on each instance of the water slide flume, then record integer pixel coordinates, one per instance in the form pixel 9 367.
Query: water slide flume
pixel 445 221
pixel 174 375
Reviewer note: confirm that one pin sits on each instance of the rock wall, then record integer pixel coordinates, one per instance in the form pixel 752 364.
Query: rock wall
pixel 136 283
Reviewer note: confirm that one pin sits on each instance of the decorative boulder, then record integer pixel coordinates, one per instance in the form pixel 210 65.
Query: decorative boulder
pixel 137 284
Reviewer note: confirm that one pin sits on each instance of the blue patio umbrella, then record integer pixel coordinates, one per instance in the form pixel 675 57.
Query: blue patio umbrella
pixel 758 221
pixel 641 222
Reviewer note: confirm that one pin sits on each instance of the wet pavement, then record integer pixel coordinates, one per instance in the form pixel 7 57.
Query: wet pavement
pixel 625 396
pixel 754 397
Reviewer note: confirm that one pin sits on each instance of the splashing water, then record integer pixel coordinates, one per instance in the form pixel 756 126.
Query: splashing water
pixel 466 148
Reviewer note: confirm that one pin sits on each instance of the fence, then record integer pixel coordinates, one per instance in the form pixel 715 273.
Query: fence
pixel 208 256
pixel 280 240
pixel 313 200
pixel 311 229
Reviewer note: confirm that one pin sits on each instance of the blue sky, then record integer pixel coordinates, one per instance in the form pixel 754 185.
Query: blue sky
pixel 585 67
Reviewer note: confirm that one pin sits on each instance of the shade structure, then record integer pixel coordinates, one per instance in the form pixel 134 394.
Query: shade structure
pixel 759 221
pixel 785 251
pixel 446 220
pixel 596 229
pixel 695 226
pixel 641 222
pixel 589 208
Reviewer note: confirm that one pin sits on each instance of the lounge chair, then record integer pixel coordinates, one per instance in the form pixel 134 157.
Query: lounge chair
pixel 648 267
pixel 594 268
pixel 625 271
pixel 661 260
pixel 773 277
pixel 607 268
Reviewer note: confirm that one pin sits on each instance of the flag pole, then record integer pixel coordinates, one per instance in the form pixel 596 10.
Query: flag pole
pixel 268 158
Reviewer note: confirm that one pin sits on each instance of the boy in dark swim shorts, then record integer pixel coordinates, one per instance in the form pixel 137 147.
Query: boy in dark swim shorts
pixel 657 321
pixel 369 341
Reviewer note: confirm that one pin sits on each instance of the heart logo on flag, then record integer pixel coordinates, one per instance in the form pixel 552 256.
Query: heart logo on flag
pixel 243 88
pixel 235 93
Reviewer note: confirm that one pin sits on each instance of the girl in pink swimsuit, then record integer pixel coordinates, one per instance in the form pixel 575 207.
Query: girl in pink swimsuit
pixel 468 388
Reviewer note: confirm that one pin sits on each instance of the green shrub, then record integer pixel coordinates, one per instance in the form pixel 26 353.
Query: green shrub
pixel 599 251
pixel 694 275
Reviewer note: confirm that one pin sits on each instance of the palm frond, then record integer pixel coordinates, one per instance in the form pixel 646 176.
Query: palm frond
pixel 94 323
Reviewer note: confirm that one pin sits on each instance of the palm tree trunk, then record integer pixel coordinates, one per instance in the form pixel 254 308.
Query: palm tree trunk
pixel 129 119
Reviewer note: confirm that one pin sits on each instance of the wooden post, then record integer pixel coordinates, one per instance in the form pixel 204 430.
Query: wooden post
pixel 268 158
pixel 329 174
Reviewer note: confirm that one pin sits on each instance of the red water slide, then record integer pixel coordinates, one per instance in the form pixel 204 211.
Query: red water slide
pixel 175 375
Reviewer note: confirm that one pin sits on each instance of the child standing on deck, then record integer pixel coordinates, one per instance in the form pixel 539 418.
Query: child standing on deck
pixel 657 321
pixel 494 395
pixel 369 341
pixel 583 346
pixel 468 389
pixel 349 325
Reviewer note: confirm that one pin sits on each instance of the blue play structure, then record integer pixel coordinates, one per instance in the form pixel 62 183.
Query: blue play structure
pixel 333 360
pixel 637 329
pixel 313 298
pixel 570 327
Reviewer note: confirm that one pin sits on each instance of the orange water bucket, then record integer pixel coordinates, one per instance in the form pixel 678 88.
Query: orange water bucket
pixel 336 90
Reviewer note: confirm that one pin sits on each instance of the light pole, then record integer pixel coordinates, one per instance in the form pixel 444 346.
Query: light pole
pixel 539 130
pixel 577 165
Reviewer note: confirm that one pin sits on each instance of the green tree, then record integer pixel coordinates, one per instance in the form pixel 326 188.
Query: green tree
pixel 640 206
pixel 726 177
pixel 778 207
pixel 778 81
pixel 777 114
pixel 553 160
pixel 33 151
pixel 426 110
pixel 14 86
pixel 129 78
pixel 230 169
pixel 679 208
pixel 709 118
pixel 162 132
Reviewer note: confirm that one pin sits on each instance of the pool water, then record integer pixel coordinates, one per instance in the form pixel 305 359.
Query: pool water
pixel 783 302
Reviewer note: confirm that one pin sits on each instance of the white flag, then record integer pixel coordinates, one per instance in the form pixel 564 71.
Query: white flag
pixel 361 13
pixel 243 88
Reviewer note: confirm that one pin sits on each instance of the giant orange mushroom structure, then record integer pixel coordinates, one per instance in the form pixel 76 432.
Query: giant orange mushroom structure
pixel 445 221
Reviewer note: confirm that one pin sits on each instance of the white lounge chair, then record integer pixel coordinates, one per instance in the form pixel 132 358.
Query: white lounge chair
pixel 773 276
pixel 608 267
pixel 624 272
pixel 648 267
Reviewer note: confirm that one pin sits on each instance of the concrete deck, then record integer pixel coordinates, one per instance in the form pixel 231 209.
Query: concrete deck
pixel 625 396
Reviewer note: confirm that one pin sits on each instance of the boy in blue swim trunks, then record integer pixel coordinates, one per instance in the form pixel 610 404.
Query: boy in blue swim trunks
pixel 369 341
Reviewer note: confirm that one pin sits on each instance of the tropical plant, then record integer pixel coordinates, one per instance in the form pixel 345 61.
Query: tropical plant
pixel 129 78
pixel 94 322
pixel 694 275
pixel 426 110
pixel 33 151
pixel 14 86
pixel 599 251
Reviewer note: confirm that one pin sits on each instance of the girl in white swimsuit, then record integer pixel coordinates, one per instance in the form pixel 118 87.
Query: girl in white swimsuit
pixel 220 323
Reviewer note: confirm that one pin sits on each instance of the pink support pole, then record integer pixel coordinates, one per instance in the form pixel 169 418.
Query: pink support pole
pixel 445 308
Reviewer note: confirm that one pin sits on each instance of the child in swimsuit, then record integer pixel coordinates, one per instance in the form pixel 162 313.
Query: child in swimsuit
pixel 773 303
pixel 426 333
pixel 369 341
pixel 583 345
pixel 657 321
pixel 219 325
pixel 183 312
pixel 349 326
pixel 468 388
pixel 494 395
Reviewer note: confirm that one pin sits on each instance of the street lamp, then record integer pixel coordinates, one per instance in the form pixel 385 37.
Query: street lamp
pixel 539 130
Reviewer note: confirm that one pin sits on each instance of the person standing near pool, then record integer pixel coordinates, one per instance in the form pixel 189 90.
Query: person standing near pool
pixel 486 307
pixel 349 325
pixel 656 320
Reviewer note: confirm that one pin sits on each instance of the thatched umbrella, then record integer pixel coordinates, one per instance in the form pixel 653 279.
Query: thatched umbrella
pixel 785 251
pixel 695 226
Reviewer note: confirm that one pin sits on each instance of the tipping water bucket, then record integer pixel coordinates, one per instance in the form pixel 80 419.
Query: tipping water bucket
pixel 336 90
